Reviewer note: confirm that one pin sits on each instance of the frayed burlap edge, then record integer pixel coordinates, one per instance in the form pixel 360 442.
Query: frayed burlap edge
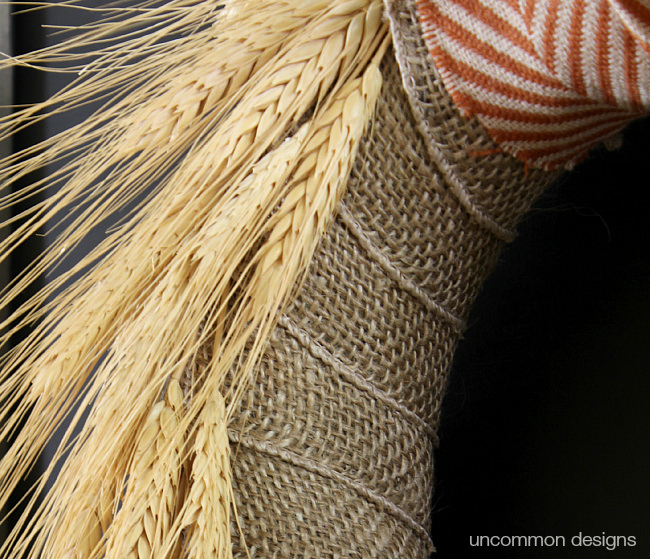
pixel 481 175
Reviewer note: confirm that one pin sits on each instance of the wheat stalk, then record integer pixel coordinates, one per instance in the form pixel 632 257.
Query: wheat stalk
pixel 91 313
pixel 284 95
pixel 220 249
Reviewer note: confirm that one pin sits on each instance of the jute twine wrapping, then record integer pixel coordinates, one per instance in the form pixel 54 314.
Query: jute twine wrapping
pixel 333 445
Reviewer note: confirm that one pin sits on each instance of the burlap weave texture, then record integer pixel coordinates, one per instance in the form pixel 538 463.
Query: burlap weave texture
pixel 333 446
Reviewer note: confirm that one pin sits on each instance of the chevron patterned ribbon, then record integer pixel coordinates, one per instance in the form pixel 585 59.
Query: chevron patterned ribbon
pixel 548 79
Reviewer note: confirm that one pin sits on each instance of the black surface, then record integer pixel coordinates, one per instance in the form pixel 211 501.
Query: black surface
pixel 545 426
pixel 28 87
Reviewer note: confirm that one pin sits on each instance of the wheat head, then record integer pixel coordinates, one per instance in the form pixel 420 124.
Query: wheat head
pixel 206 516
pixel 149 505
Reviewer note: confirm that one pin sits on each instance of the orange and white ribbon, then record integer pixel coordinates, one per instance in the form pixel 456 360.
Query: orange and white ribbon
pixel 548 79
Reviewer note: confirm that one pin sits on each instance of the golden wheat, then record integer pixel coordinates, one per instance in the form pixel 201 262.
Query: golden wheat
pixel 210 257
pixel 294 85
pixel 90 315
pixel 231 61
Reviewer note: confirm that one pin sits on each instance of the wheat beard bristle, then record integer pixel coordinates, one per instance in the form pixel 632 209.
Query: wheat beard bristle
pixel 213 257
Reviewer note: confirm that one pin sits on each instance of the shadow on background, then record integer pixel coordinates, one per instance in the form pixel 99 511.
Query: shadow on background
pixel 545 425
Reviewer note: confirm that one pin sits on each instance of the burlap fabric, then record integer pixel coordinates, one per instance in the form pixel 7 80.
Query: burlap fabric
pixel 333 446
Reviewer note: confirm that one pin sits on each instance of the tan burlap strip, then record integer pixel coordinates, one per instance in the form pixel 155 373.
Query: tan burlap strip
pixel 333 445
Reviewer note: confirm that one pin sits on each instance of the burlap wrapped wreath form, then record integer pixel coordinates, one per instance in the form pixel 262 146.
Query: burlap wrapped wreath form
pixel 332 451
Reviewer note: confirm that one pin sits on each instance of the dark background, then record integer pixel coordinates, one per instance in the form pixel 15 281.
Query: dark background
pixel 545 423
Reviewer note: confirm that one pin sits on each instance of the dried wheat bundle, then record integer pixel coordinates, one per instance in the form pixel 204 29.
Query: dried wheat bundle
pixel 236 123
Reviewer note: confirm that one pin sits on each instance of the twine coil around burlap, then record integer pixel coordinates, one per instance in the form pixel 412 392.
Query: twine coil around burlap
pixel 333 445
